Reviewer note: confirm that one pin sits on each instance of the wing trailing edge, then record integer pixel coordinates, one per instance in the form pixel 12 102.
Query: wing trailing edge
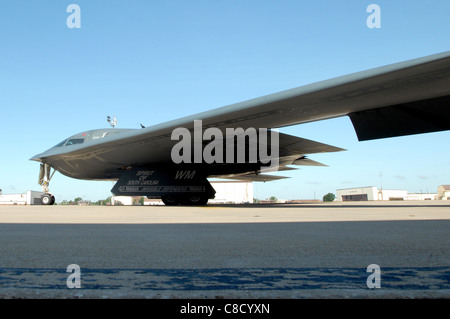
pixel 431 115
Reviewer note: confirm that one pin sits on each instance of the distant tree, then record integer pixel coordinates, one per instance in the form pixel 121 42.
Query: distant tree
pixel 273 198
pixel 329 197
pixel 103 202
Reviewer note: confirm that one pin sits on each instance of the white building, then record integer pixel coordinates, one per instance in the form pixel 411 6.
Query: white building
pixel 123 200
pixel 444 192
pixel 29 198
pixel 232 192
pixel 422 196
pixel 371 193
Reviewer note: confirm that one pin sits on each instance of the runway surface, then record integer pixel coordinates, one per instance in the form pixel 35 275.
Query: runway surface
pixel 247 251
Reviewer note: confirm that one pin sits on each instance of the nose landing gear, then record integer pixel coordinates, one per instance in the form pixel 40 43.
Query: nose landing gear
pixel 44 181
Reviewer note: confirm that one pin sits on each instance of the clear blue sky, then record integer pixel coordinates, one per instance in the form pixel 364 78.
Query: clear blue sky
pixel 153 61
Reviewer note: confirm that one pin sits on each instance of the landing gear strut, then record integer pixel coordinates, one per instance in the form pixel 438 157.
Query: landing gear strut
pixel 44 181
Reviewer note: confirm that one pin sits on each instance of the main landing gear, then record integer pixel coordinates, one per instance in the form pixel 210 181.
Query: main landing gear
pixel 175 200
pixel 44 181
pixel 175 185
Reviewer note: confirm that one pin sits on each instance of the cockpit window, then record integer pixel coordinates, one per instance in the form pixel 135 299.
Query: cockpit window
pixel 60 144
pixel 74 141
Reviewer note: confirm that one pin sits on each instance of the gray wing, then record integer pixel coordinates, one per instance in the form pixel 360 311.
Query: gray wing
pixel 399 99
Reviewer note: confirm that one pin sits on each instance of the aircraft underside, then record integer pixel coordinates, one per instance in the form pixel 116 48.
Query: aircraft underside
pixel 174 184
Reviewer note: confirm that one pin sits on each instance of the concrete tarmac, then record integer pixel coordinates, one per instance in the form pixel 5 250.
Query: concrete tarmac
pixel 219 251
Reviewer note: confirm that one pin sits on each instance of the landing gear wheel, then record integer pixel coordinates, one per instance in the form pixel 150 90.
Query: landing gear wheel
pixel 195 200
pixel 44 181
pixel 47 199
pixel 170 200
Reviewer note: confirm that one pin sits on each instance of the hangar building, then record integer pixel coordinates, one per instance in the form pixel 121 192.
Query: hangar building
pixel 371 193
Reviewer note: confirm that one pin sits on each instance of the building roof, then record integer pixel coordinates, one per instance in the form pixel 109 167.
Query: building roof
pixel 446 187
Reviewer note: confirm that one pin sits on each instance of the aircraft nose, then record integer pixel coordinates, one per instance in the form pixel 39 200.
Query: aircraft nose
pixel 37 158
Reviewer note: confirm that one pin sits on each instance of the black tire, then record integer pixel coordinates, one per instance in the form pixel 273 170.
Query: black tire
pixel 170 200
pixel 195 200
pixel 47 199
